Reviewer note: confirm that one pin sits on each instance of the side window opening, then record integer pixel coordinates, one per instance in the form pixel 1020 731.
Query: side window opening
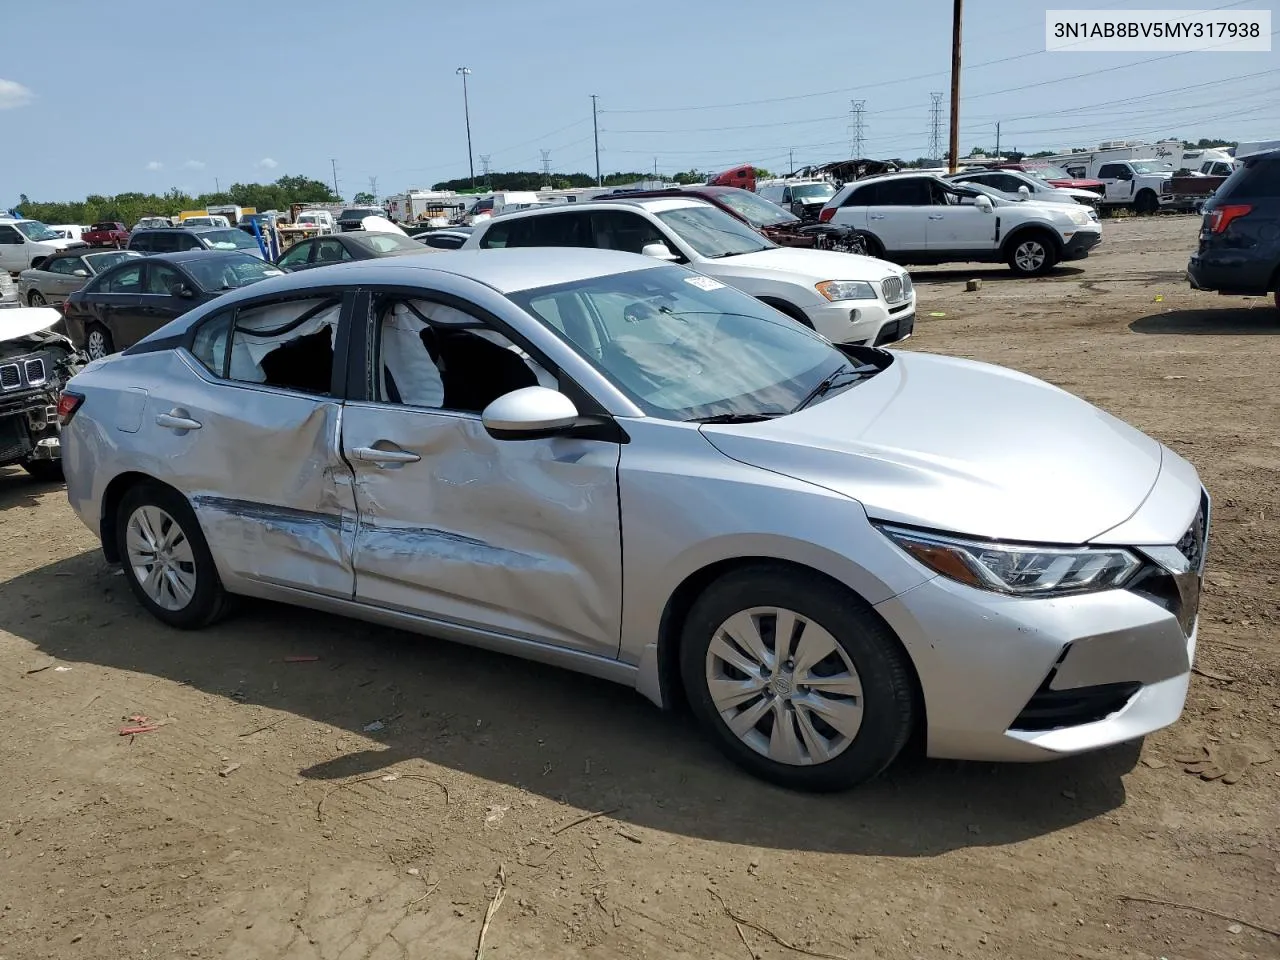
pixel 436 356
pixel 287 345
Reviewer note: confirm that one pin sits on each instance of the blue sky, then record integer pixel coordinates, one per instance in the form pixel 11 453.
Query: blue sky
pixel 149 94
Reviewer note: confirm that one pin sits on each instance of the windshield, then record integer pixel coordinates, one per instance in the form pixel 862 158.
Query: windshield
pixel 228 273
pixel 756 210
pixel 813 191
pixel 229 240
pixel 684 346
pixel 35 230
pixel 713 233
pixel 1151 166
pixel 359 213
pixel 105 261
pixel 383 243
pixel 1049 173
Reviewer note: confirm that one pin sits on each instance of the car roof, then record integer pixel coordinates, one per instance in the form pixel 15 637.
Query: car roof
pixel 652 204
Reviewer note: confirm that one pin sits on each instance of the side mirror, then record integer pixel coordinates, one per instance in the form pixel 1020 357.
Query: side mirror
pixel 983 203
pixel 80 272
pixel 183 291
pixel 530 413
pixel 659 251
pixel 1024 192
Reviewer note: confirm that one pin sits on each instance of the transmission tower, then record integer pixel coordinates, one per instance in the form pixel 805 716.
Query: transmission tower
pixel 855 127
pixel 373 188
pixel 546 165
pixel 935 126
pixel 484 166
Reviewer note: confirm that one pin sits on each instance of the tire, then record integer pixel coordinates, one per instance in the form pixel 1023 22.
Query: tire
pixel 36 299
pixel 185 592
pixel 795 313
pixel 871 712
pixel 46 471
pixel 1146 202
pixel 1032 253
pixel 98 342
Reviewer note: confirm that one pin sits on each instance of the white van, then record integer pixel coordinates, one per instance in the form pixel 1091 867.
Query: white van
pixel 208 220
pixel 24 243
pixel 319 220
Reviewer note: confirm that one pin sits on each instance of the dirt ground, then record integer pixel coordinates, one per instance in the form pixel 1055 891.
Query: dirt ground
pixel 264 818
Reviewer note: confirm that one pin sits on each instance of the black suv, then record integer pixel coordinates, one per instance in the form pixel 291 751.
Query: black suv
pixel 180 239
pixel 1239 250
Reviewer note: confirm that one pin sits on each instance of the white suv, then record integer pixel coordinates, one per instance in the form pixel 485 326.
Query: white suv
pixel 846 298
pixel 25 244
pixel 920 218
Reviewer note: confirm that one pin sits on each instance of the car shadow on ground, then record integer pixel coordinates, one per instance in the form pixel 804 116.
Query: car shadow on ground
pixel 19 489
pixel 578 740
pixel 961 274
pixel 1221 322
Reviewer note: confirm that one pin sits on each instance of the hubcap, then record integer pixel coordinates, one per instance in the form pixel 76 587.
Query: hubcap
pixel 37 299
pixel 96 345
pixel 1030 255
pixel 784 686
pixel 160 557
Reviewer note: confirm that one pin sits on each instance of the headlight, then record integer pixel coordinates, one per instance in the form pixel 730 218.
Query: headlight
pixel 1020 570
pixel 1079 217
pixel 846 290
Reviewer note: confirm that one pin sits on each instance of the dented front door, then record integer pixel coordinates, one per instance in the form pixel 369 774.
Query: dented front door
pixel 516 537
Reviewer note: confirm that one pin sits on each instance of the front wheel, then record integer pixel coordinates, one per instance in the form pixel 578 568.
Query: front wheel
pixel 797 680
pixel 1032 254
pixel 1146 202
pixel 166 559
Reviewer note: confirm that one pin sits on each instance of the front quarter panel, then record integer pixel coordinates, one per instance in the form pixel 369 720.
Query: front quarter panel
pixel 685 506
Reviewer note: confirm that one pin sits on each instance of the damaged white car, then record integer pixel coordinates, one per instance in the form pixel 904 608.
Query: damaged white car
pixel 35 364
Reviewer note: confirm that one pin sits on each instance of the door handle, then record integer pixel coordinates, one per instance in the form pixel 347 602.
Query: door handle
pixel 935 216
pixel 374 455
pixel 876 216
pixel 174 421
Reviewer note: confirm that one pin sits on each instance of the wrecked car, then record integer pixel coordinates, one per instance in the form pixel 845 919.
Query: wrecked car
pixel 35 364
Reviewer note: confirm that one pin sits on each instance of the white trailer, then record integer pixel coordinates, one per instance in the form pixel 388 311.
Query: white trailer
pixel 419 206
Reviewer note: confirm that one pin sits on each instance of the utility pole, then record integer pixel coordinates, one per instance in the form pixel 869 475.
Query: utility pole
pixel 465 72
pixel 935 127
pixel 791 160
pixel 997 139
pixel 595 132
pixel 217 185
pixel 334 165
pixel 855 128
pixel 955 84
pixel 546 166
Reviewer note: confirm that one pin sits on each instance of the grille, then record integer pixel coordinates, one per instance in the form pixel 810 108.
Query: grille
pixel 1052 709
pixel 892 289
pixel 10 377
pixel 35 372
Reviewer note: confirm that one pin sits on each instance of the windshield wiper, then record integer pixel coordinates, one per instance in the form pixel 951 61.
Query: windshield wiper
pixel 831 381
pixel 735 418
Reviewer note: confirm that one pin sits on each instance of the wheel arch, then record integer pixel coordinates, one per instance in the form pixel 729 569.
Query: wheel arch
pixel 790 309
pixel 681 601
pixel 1019 232
pixel 111 499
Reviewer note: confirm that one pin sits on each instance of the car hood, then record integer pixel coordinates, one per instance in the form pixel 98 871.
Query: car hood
pixel 24 321
pixel 959 446
pixel 818 265
pixel 1093 186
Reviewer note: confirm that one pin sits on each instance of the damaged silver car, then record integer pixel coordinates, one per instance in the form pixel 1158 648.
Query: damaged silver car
pixel 35 364
pixel 629 469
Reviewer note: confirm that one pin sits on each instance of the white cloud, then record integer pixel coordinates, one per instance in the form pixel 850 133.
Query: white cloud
pixel 154 165
pixel 194 164
pixel 13 94
pixel 267 163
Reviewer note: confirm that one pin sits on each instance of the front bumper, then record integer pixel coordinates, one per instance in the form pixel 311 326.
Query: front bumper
pixel 862 322
pixel 1081 242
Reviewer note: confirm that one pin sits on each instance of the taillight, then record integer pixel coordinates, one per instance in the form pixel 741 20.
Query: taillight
pixel 68 404
pixel 826 214
pixel 1220 218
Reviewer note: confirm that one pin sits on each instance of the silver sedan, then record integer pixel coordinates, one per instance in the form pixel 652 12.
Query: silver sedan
pixel 62 274
pixel 632 470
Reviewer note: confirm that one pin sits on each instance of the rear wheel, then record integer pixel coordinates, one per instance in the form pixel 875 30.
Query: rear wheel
pixel 1032 253
pixel 797 680
pixel 166 559
pixel 36 299
pixel 98 342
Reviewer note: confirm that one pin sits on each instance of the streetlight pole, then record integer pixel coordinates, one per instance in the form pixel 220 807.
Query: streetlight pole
pixel 465 72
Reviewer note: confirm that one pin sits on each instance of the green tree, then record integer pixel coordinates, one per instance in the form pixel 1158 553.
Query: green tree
pixel 364 199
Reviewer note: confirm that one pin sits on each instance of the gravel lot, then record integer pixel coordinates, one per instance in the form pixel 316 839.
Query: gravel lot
pixel 261 820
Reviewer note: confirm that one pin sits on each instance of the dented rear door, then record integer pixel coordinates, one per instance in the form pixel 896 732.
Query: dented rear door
pixel 515 537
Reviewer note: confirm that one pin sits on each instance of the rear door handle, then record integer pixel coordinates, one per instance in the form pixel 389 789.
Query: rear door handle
pixel 935 216
pixel 374 455
pixel 176 422
pixel 876 216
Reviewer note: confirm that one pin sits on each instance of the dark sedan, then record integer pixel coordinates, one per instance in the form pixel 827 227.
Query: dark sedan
pixel 119 307
pixel 345 247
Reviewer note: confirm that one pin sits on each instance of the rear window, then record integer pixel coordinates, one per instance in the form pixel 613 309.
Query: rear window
pixel 103 226
pixel 229 240
pixel 1257 179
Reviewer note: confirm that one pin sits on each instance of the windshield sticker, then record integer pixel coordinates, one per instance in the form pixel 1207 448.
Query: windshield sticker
pixel 704 283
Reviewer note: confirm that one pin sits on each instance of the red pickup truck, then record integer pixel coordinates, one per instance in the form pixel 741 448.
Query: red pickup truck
pixel 106 234
pixel 1055 176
